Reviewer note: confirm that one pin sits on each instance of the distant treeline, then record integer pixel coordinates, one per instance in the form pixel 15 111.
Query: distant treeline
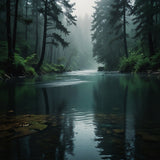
pixel 126 34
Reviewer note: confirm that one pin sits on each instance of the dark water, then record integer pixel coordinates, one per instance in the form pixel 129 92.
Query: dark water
pixel 98 116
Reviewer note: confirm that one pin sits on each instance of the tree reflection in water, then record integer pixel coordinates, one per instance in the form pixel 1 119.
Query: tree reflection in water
pixel 51 143
pixel 132 132
pixel 109 119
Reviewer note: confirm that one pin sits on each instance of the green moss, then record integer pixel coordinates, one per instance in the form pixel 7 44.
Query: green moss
pixel 37 126
pixel 23 125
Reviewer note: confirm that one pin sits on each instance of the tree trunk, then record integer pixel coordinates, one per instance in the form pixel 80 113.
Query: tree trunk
pixel 44 38
pixel 9 39
pixel 15 25
pixel 36 45
pixel 150 42
pixel 150 32
pixel 124 29
pixel 26 29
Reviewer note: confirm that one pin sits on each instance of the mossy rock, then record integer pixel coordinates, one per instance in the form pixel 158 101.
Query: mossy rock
pixel 22 125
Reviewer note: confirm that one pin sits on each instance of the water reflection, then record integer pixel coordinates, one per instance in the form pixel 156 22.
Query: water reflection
pixel 126 131
pixel 110 116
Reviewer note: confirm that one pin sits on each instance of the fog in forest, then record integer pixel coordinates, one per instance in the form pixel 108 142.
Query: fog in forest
pixel 78 55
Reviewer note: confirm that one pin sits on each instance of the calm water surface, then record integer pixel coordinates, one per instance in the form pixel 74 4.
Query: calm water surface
pixel 98 116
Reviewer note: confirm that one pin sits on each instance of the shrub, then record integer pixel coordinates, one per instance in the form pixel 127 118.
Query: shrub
pixel 46 68
pixel 30 71
pixel 31 60
pixel 127 64
pixel 142 65
pixel 18 60
pixel 155 61
pixel 60 68
pixel 130 64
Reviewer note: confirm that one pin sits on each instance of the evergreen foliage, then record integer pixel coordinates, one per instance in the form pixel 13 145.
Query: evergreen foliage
pixel 53 12
pixel 148 23
pixel 118 20
pixel 110 27
pixel 103 37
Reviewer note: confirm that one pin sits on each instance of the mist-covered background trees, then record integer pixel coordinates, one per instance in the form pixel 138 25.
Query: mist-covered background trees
pixel 126 34
pixel 36 34
pixel 104 38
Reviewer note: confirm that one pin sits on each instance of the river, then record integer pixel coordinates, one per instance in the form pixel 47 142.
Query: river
pixel 97 116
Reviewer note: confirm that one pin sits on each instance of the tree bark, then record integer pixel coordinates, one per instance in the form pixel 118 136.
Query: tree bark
pixel 9 38
pixel 26 29
pixel 124 29
pixel 150 32
pixel 151 46
pixel 44 38
pixel 15 26
pixel 36 45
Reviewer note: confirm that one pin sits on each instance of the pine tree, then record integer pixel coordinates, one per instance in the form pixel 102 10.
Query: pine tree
pixel 9 37
pixel 146 18
pixel 53 11
pixel 118 19
pixel 103 37
pixel 15 25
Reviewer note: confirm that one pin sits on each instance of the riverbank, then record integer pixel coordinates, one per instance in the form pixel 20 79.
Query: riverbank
pixel 29 72
pixel 26 68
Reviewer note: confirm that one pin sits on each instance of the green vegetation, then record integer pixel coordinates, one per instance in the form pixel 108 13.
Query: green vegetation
pixel 24 34
pixel 48 68
pixel 117 27
pixel 24 66
pixel 140 63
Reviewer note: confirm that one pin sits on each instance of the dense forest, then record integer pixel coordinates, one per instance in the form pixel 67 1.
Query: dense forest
pixel 126 35
pixel 42 36
pixel 46 36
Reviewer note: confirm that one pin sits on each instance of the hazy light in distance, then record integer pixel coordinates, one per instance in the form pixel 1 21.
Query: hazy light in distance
pixel 83 7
